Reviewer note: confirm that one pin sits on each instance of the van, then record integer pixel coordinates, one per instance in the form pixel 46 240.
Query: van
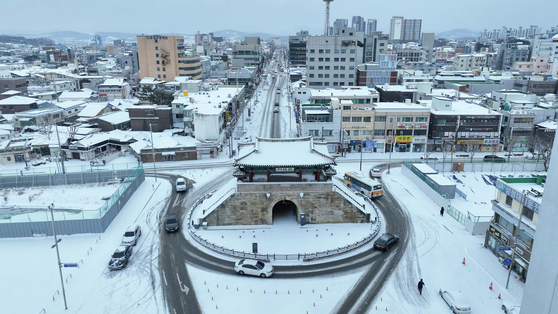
pixel 180 185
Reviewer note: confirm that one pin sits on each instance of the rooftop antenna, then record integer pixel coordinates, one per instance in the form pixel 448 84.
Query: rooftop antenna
pixel 326 27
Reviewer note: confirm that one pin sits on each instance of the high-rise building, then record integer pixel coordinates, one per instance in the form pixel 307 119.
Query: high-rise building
pixel 541 288
pixel 374 44
pixel 428 45
pixel 297 49
pixel 404 30
pixel 358 23
pixel 164 57
pixel 338 24
pixel 371 26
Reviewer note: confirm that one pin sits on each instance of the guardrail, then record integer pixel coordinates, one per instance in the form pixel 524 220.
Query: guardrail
pixel 460 217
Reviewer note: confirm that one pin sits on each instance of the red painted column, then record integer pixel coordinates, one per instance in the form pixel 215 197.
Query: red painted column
pixel 268 176
pixel 251 177
pixel 300 176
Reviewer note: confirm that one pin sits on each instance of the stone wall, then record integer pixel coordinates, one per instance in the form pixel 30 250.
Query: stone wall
pixel 257 208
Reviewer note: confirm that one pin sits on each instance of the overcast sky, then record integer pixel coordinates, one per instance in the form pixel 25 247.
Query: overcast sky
pixel 277 17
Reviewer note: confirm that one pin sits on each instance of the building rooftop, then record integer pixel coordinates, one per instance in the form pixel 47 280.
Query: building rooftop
pixel 92 109
pixel 113 82
pixel 18 100
pixel 39 112
pixel 460 107
pixel 115 117
pixel 399 106
pixel 345 92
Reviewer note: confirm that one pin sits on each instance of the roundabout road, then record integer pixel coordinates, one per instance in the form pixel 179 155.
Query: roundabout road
pixel 176 251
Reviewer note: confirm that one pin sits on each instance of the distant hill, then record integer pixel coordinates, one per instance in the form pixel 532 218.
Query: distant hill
pixel 29 41
pixel 237 35
pixel 459 33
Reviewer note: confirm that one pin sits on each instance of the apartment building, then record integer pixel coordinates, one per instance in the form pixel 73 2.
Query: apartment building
pixel 515 197
pixel 405 30
pixel 246 54
pixel 469 62
pixel 331 60
pixel 410 55
pixel 165 57
pixel 12 84
pixel 297 49
pixel 114 88
pixel 371 26
pixel 510 53
pixel 375 44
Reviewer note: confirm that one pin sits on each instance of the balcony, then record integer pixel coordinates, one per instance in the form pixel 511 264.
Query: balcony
pixel 512 216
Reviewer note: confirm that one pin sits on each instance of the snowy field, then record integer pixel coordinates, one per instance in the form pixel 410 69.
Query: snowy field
pixel 440 244
pixel 33 280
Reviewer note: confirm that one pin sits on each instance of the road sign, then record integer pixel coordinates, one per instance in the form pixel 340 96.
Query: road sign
pixel 504 249
pixel 507 262
pixel 237 138
pixel 70 265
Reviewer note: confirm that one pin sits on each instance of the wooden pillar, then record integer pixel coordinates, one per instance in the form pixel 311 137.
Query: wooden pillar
pixel 251 177
pixel 317 175
pixel 268 175
pixel 300 176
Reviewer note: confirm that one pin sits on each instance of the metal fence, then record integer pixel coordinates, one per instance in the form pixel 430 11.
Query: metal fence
pixel 460 217
pixel 275 256
pixel 479 165
pixel 68 169
pixel 71 221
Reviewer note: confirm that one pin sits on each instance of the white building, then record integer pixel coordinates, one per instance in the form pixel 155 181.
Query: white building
pixel 469 62
pixel 545 47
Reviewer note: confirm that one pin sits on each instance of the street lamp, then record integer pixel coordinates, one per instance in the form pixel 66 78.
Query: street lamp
pixel 51 207
pixel 153 152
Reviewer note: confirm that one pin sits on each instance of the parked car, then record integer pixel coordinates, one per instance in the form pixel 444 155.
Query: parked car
pixel 456 301
pixel 385 241
pixel 120 257
pixel 253 267
pixel 510 308
pixel 180 185
pixel 171 223
pixel 493 158
pixel 375 173
pixel 131 236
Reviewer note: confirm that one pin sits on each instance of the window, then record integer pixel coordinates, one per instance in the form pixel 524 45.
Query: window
pixel 336 67
pixel 321 51
pixel 314 132
pixel 335 84
pixel 164 76
pixel 320 67
pixel 326 83
pixel 343 59
pixel 158 69
pixel 312 50
pixel 327 59
pixel 149 112
pixel 328 133
pixel 311 75
pixel 158 75
pixel 353 51
pixel 164 69
pixel 352 59
pixel 157 61
pixel 343 50
pixel 424 119
pixel 320 75
pixel 356 133
pixel 351 75
pixel 341 75
pixel 327 67
pixel 342 67
pixel 328 50
pixel 321 59
pixel 367 132
pixel 367 119
pixel 335 75
pixel 346 119
pixel 156 48
pixel 443 121
pixel 335 59
pixel 311 67
pixel 420 132
pixel 336 50
pixel 406 119
pixel 311 59
pixel 509 200
pixel 157 55
pixel 380 119
pixel 381 132
pixel 326 75
pixel 346 107
pixel 357 119
pixel 9 158
pixel 390 120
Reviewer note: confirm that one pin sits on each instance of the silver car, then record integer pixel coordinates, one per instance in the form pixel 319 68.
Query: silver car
pixel 456 301
pixel 253 267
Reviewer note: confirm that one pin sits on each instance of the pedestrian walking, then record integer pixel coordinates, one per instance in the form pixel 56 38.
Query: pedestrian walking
pixel 442 211
pixel 420 285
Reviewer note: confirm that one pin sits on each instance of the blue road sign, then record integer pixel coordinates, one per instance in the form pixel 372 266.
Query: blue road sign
pixel 507 262
pixel 237 138
pixel 70 265
pixel 504 249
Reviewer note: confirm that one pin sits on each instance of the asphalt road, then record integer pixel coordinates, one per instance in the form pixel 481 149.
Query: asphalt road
pixel 177 251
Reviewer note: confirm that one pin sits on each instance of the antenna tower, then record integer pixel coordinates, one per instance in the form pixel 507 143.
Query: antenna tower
pixel 326 28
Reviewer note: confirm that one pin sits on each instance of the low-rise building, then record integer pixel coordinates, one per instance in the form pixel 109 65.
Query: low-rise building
pixel 41 116
pixel 15 104
pixel 150 117
pixel 114 88
pixel 119 120
pixel 469 62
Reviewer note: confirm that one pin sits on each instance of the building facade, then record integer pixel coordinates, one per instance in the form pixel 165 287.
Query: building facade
pixel 297 49
pixel 469 62
pixel 148 117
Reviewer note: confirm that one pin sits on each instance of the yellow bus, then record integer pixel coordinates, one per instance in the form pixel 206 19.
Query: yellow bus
pixel 372 188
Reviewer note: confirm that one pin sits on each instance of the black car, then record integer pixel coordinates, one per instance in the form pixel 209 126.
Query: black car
pixel 385 241
pixel 120 257
pixel 171 224
pixel 493 158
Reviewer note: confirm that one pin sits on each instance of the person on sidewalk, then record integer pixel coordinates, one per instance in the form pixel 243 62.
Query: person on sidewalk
pixel 442 211
pixel 420 285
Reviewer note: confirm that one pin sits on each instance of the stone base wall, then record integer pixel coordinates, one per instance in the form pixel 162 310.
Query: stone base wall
pixel 257 209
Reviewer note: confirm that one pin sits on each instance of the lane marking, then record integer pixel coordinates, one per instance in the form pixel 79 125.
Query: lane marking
pixel 165 278
pixel 183 287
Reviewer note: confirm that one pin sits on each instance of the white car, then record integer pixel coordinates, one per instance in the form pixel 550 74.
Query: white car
pixel 180 185
pixel 456 301
pixel 131 236
pixel 510 308
pixel 253 267
pixel 275 110
pixel 375 173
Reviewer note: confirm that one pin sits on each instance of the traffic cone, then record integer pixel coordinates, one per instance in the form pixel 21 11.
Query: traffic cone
pixel 490 287
pixel 499 296
pixel 463 261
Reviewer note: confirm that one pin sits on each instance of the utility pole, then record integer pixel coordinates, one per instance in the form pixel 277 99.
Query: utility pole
pixel 51 207
pixel 60 149
pixel 153 152
pixel 360 155
pixel 515 236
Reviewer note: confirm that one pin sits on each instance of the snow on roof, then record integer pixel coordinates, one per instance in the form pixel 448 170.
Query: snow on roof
pixel 461 107
pixel 548 124
pixel 391 106
pixel 151 81
pixel 18 100
pixel 92 109
pixel 424 168
pixel 113 82
pixel 11 93
pixel 360 91
pixel 316 111
pixel 280 152
pixel 115 117
pixel 66 95
pixel 161 141
pixel 441 180
pixel 70 104
pixel 39 112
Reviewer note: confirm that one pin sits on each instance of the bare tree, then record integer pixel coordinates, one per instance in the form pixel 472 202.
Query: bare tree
pixel 541 144
pixel 72 131
pixel 509 144
pixel 472 149
pixel 46 130
pixel 447 148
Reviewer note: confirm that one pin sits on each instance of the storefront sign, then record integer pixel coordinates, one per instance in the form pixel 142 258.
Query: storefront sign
pixel 404 139
pixel 284 169
pixel 503 239
pixel 518 196
pixel 418 140
pixel 470 142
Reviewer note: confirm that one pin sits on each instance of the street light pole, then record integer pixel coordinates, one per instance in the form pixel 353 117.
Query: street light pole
pixel 360 155
pixel 51 207
pixel 60 149
pixel 153 152
pixel 515 236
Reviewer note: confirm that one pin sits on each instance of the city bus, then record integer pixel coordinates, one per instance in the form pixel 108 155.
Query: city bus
pixel 371 188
